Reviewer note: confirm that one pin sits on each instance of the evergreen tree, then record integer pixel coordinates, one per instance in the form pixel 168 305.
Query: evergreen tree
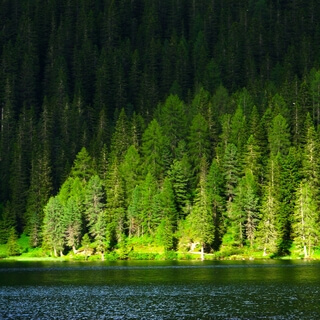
pixel 13 247
pixel 166 214
pixel 121 138
pixel 279 136
pixel 173 121
pixel 153 145
pixel 306 219
pixel 53 226
pixel 130 171
pixel 94 205
pixel 149 189
pixel 135 222
pixel 243 213
pixel 252 158
pixel 201 215
pixel 72 198
pixel 238 129
pixel 310 154
pixel 83 166
pixel 231 170
pixel 269 232
pixel 85 244
pixel 115 205
pixel 7 222
pixel 7 131
pixel 289 178
pixel 180 184
pixel 199 142
pixel 268 229
pixel 38 195
pixel 215 185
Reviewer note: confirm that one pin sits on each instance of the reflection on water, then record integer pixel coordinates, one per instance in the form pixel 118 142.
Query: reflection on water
pixel 160 290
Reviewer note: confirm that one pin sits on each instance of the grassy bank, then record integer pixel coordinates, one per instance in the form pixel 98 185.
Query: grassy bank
pixel 140 249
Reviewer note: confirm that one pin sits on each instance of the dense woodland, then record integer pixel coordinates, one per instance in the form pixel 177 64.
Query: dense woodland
pixel 177 121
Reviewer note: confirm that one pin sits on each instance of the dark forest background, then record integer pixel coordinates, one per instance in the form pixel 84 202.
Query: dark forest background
pixel 179 121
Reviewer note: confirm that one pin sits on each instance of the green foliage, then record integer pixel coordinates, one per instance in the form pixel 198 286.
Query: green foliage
pixel 279 136
pixel 153 148
pixel 105 124
pixel 201 215
pixel 83 166
pixel 199 142
pixel 94 205
pixel 53 226
pixel 13 247
pixel 306 225
pixel 115 204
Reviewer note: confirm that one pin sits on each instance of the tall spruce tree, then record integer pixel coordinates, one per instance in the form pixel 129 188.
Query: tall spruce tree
pixel 201 215
pixel 54 227
pixel 199 142
pixel 306 219
pixel 115 204
pixel 166 213
pixel 94 205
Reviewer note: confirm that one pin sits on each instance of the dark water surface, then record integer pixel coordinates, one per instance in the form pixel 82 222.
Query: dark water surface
pixel 160 290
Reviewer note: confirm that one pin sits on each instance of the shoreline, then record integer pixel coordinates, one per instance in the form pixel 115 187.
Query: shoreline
pixel 155 257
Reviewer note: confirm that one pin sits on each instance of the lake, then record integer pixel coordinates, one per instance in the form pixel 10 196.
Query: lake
pixel 160 290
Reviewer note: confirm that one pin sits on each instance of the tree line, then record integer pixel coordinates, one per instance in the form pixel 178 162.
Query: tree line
pixel 183 121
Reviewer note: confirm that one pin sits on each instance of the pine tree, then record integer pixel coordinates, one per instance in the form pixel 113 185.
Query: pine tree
pixel 85 244
pixel 83 166
pixel 7 131
pixel 149 189
pixel 121 138
pixel 310 155
pixel 130 171
pixel 215 185
pixel 135 222
pixel 72 197
pixel 252 158
pixel 289 177
pixel 231 170
pixel 115 205
pixel 73 220
pixel 180 184
pixel 53 226
pixel 166 214
pixel 268 229
pixel 242 213
pixel 315 94
pixel 94 205
pixel 38 195
pixel 13 247
pixel 238 134
pixel 152 148
pixel 306 219
pixel 201 215
pixel 21 160
pixel 7 222
pixel 199 142
pixel 279 136
pixel 172 117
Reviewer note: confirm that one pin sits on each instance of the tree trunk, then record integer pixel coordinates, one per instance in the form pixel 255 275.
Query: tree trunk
pixel 202 252
pixel 264 251
pixel 305 251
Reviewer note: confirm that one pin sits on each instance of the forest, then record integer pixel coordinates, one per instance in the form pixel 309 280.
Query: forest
pixel 174 125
